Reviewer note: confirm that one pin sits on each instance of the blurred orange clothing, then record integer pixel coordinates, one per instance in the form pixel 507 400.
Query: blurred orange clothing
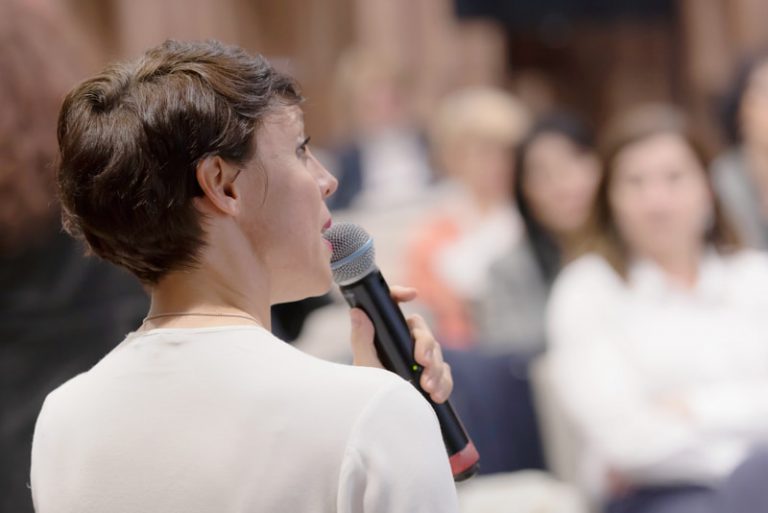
pixel 452 316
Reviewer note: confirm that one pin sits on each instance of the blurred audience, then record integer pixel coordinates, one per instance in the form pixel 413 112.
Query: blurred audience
pixel 659 334
pixel 741 174
pixel 473 136
pixel 384 162
pixel 59 311
pixel 556 177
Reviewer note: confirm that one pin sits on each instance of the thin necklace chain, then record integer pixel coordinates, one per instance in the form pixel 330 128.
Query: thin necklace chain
pixel 200 314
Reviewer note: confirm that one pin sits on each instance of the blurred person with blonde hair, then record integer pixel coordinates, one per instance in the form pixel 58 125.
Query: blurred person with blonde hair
pixel 58 309
pixel 659 333
pixel 472 135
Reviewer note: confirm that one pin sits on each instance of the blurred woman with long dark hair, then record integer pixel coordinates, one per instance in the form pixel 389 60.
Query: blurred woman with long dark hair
pixel 555 180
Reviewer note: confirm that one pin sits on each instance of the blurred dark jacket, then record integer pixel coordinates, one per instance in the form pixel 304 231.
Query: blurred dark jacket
pixel 60 313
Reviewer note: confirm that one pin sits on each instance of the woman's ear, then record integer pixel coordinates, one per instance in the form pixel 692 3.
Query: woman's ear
pixel 216 178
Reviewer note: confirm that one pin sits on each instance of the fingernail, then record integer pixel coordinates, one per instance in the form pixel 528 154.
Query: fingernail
pixel 429 383
pixel 428 354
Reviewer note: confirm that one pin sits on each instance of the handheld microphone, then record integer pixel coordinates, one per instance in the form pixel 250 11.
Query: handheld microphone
pixel 363 286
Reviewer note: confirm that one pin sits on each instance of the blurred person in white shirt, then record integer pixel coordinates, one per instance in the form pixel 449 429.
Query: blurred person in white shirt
pixel 659 334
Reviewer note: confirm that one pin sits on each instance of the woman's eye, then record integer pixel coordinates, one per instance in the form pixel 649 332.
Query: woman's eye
pixel 302 150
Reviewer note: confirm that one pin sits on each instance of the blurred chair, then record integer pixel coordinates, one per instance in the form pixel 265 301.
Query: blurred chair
pixel 492 395
pixel 561 440
pixel 527 491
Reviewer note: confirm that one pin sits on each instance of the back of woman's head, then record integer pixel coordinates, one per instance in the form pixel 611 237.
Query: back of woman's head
pixel 664 130
pixel 132 136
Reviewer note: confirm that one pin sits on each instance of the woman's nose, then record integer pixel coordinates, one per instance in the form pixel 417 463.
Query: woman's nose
pixel 328 182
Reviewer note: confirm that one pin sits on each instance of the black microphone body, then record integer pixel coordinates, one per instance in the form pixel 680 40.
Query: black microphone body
pixel 394 346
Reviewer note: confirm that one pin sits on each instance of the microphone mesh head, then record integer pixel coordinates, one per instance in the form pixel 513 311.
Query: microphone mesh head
pixel 353 254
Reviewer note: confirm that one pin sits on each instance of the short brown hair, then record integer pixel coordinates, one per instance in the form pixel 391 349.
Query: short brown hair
pixel 633 126
pixel 131 138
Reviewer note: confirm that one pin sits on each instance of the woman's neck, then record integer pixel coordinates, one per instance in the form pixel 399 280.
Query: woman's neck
pixel 224 290
pixel 682 267
pixel 486 205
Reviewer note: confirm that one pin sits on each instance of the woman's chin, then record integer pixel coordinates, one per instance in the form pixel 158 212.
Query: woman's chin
pixel 314 286
pixel 320 290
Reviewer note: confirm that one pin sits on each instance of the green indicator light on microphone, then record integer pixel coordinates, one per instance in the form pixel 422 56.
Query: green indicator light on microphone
pixel 415 367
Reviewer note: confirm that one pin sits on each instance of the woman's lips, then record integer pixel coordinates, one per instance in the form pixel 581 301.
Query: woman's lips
pixel 325 227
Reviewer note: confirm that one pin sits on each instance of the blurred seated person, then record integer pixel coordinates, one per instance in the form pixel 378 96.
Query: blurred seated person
pixel 659 334
pixel 741 174
pixel 556 177
pixel 473 136
pixel 58 309
pixel 384 161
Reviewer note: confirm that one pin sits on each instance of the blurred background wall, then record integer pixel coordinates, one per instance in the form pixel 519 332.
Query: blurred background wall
pixel 593 56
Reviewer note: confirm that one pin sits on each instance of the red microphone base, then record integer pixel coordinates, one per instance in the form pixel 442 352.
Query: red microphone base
pixel 464 464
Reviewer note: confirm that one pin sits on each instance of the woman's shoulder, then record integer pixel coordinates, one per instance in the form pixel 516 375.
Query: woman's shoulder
pixel 249 366
pixel 588 283
pixel 585 293
pixel 741 278
pixel 365 400
pixel 589 269
pixel 730 160
pixel 729 174
pixel 333 380
pixel 749 264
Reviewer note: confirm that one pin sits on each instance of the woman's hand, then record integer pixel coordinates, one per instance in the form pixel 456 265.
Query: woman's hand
pixel 436 378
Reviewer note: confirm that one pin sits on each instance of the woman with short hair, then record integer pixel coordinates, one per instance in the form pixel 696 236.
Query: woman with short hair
pixel 190 168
